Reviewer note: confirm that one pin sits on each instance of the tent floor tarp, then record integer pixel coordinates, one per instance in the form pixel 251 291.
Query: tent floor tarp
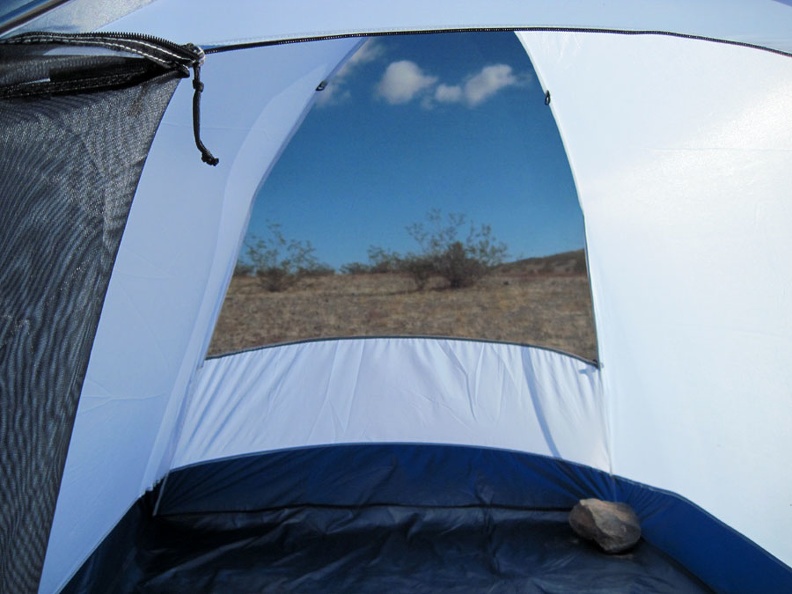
pixel 385 549
pixel 377 518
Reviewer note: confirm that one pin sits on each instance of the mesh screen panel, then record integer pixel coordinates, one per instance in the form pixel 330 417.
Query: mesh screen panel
pixel 70 162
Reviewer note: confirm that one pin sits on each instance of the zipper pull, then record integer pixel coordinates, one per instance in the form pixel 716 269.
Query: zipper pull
pixel 206 155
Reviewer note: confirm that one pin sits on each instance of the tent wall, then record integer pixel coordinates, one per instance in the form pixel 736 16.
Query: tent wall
pixel 68 175
pixel 684 173
pixel 396 390
pixel 175 259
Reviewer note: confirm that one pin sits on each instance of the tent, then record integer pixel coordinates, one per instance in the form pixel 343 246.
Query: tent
pixel 118 243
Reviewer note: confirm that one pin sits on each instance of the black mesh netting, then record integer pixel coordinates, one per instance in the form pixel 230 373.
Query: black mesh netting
pixel 70 162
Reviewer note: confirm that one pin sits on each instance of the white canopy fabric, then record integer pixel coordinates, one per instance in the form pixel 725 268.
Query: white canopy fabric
pixel 400 390
pixel 684 173
pixel 682 154
pixel 177 254
pixel 764 23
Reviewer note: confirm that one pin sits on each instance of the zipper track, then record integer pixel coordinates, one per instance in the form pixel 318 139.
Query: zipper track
pixel 166 53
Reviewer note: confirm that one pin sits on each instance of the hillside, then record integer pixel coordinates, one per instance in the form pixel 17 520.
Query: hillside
pixel 564 263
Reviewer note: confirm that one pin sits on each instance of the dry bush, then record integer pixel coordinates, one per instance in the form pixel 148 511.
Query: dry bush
pixel 279 263
pixel 450 248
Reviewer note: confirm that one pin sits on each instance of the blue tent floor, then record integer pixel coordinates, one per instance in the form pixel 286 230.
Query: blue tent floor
pixel 388 549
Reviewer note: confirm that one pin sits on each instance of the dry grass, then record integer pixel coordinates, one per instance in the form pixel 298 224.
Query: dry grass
pixel 551 310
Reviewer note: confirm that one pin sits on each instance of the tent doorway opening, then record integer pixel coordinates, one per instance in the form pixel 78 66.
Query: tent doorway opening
pixel 427 193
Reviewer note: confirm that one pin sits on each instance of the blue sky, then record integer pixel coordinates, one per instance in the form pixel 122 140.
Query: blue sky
pixel 455 122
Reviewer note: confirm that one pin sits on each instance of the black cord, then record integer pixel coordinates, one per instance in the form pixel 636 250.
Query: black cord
pixel 206 156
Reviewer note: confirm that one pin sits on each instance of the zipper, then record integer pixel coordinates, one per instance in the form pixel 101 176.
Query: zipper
pixel 166 54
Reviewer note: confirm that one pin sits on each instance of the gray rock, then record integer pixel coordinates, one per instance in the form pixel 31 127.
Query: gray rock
pixel 613 526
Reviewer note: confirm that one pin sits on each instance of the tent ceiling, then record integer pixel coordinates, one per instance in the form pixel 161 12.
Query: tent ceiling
pixel 765 23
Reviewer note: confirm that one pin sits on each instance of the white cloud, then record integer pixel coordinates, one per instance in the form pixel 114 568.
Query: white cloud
pixel 448 93
pixel 371 50
pixel 336 90
pixel 403 81
pixel 488 82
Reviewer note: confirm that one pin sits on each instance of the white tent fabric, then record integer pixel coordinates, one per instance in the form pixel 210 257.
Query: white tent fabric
pixel 685 178
pixel 176 257
pixel 682 155
pixel 396 390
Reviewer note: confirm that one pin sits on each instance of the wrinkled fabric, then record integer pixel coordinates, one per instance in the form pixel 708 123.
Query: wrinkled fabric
pixel 386 549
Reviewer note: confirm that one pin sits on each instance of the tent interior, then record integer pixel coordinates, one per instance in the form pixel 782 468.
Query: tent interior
pixel 131 462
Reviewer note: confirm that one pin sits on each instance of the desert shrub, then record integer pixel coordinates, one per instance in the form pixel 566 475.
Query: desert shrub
pixel 459 267
pixel 382 261
pixel 279 263
pixel 420 268
pixel 462 259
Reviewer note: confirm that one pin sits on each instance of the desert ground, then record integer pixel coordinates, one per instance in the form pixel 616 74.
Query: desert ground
pixel 529 302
